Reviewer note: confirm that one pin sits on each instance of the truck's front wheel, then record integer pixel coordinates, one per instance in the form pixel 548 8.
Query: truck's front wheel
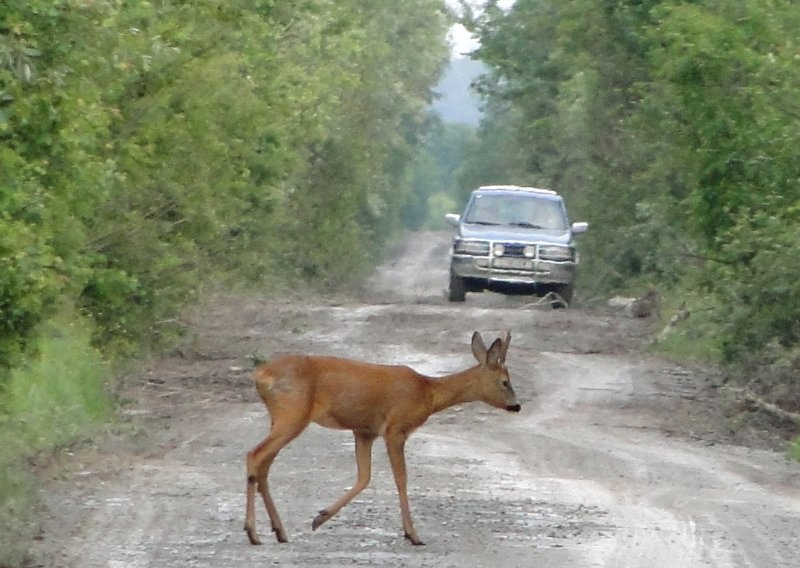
pixel 566 291
pixel 458 289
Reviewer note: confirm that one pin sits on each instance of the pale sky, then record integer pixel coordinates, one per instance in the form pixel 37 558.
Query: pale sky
pixel 461 40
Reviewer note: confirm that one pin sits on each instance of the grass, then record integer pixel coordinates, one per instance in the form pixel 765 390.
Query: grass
pixel 794 449
pixel 45 405
pixel 695 338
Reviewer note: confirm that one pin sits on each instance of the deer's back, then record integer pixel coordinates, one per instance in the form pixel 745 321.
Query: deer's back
pixel 343 393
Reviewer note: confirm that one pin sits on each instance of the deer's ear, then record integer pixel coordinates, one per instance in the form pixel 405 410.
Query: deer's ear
pixel 506 338
pixel 494 357
pixel 478 347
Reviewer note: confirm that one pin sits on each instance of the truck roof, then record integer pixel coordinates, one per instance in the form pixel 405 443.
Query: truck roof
pixel 516 188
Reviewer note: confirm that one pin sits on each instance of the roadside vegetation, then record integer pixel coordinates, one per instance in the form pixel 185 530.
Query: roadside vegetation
pixel 672 128
pixel 151 150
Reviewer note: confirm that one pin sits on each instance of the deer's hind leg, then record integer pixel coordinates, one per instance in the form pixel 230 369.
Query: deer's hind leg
pixel 259 461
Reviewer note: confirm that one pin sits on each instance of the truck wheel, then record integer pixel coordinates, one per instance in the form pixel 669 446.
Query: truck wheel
pixel 566 291
pixel 458 290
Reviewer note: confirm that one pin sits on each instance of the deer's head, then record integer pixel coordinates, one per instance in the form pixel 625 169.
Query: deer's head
pixel 494 384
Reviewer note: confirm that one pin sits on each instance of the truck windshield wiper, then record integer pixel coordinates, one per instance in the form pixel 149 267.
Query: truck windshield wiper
pixel 482 223
pixel 526 224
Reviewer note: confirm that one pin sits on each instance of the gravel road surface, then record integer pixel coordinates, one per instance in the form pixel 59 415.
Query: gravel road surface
pixel 617 459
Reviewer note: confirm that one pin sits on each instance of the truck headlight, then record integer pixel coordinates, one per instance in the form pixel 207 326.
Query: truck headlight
pixel 556 252
pixel 473 248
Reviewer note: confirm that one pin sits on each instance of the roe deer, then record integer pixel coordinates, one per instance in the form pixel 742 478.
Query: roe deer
pixel 372 401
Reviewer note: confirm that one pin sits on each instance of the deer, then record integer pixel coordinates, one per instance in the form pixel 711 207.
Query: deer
pixel 371 400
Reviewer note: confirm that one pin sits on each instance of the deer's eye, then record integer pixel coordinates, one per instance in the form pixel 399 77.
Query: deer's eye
pixel 507 384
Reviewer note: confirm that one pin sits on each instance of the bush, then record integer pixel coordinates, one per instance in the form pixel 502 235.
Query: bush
pixel 439 204
pixel 794 450
pixel 53 400
pixel 28 287
pixel 759 284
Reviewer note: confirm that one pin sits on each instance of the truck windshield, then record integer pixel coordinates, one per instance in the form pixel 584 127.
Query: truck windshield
pixel 520 211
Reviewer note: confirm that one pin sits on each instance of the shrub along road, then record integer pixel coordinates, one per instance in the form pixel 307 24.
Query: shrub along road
pixel 616 459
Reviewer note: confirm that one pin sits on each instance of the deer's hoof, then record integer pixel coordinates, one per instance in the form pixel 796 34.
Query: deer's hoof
pixel 280 534
pixel 252 536
pixel 319 519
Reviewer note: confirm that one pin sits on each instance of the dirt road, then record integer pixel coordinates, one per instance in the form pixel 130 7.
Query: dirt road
pixel 615 460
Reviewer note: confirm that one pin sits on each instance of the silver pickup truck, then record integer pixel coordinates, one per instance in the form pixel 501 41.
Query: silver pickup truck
pixel 513 240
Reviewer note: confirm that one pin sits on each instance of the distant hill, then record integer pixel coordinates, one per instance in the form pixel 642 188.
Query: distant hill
pixel 456 102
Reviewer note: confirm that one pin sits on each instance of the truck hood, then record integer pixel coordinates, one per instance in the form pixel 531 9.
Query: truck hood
pixel 506 233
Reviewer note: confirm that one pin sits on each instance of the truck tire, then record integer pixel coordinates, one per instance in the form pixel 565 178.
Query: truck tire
pixel 458 289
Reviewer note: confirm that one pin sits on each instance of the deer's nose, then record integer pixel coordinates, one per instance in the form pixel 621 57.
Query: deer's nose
pixel 513 408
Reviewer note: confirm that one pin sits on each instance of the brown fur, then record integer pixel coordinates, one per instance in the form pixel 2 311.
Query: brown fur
pixel 370 400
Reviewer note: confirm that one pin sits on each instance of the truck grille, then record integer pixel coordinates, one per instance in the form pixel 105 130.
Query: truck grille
pixel 514 250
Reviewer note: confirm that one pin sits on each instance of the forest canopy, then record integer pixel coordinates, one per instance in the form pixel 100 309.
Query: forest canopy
pixel 148 147
pixel 672 127
pixel 152 148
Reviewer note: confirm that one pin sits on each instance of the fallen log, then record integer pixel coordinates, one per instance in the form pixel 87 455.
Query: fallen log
pixel 772 409
pixel 681 314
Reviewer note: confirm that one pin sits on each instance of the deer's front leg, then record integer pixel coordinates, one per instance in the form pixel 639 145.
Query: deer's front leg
pixel 364 464
pixel 395 445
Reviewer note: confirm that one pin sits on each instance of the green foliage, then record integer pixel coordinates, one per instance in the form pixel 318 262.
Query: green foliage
pixel 435 189
pixel 497 154
pixel 152 147
pixel 59 393
pixel 438 205
pixel 794 450
pixel 695 339
pixel 759 284
pixel 149 149
pixel 28 287
pixel 671 127
pixel 721 84
pixel 48 402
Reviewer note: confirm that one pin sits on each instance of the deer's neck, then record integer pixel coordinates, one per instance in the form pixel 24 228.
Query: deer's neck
pixel 451 390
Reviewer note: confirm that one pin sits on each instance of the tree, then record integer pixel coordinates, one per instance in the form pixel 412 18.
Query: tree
pixel 151 147
pixel 671 127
